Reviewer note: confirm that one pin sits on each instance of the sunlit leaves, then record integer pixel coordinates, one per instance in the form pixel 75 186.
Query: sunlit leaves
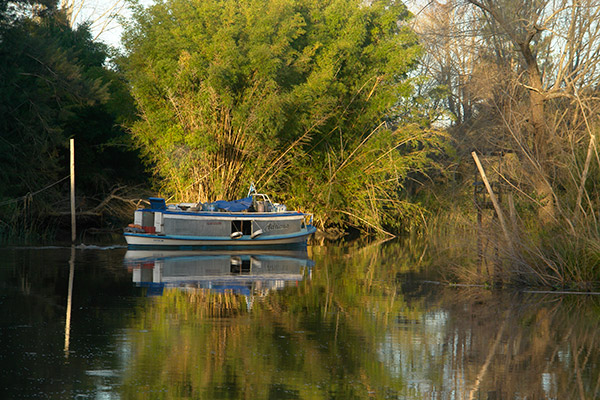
pixel 277 92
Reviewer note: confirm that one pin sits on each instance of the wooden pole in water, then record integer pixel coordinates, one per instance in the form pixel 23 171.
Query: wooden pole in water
pixel 73 219
pixel 493 198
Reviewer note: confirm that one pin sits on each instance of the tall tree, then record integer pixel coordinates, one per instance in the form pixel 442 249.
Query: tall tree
pixel 54 86
pixel 522 24
pixel 532 84
pixel 42 88
pixel 302 97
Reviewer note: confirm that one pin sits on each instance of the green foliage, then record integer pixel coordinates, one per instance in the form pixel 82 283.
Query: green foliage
pixel 43 89
pixel 301 97
pixel 55 86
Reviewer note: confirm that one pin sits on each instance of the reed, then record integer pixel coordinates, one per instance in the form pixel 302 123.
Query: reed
pixel 23 223
pixel 451 238
pixel 194 303
pixel 559 256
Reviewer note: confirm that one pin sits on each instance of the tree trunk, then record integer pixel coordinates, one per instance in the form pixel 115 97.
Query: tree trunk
pixel 540 171
pixel 541 140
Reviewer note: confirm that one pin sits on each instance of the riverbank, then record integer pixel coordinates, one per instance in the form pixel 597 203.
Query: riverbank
pixel 475 251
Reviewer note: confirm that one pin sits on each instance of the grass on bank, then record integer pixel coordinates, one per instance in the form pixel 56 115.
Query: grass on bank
pixel 558 256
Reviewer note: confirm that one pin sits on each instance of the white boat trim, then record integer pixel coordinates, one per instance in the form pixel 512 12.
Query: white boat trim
pixel 229 217
pixel 146 239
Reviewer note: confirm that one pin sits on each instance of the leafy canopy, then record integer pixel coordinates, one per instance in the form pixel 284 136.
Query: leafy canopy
pixel 299 96
pixel 55 86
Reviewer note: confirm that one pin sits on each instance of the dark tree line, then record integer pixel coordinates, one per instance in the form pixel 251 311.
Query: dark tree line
pixel 56 85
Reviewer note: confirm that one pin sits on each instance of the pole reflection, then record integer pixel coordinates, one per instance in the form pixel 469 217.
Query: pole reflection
pixel 69 302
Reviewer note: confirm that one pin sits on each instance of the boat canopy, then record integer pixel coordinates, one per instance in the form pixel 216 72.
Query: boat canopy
pixel 261 202
pixel 235 205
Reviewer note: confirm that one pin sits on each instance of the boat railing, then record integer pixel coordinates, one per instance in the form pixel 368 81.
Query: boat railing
pixel 308 219
pixel 262 203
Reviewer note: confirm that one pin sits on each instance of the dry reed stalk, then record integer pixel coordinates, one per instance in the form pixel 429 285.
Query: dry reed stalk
pixel 347 159
pixel 277 162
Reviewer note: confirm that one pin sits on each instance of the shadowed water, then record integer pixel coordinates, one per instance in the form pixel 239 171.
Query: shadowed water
pixel 344 322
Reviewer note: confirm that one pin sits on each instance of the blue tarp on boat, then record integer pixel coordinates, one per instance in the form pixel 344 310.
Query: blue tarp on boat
pixel 157 203
pixel 234 206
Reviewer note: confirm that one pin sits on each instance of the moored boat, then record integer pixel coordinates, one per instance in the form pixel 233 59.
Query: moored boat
pixel 253 221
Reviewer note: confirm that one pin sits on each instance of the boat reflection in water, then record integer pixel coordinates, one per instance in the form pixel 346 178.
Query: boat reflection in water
pixel 243 272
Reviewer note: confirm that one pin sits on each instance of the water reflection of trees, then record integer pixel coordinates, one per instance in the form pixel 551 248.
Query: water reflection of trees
pixel 361 329
pixel 509 346
pixel 319 339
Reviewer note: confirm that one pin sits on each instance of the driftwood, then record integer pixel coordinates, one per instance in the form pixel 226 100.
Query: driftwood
pixel 494 200
pixel 106 205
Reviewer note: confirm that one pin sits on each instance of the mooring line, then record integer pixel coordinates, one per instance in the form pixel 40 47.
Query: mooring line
pixel 29 195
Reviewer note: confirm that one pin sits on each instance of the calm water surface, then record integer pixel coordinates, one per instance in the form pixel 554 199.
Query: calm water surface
pixel 336 322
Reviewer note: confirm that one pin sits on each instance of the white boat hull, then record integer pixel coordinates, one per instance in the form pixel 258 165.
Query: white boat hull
pixel 154 240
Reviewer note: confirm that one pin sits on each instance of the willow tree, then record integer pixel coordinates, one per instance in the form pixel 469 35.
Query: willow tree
pixel 522 80
pixel 524 75
pixel 305 98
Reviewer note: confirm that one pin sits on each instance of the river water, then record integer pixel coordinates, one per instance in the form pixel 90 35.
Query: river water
pixel 354 321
